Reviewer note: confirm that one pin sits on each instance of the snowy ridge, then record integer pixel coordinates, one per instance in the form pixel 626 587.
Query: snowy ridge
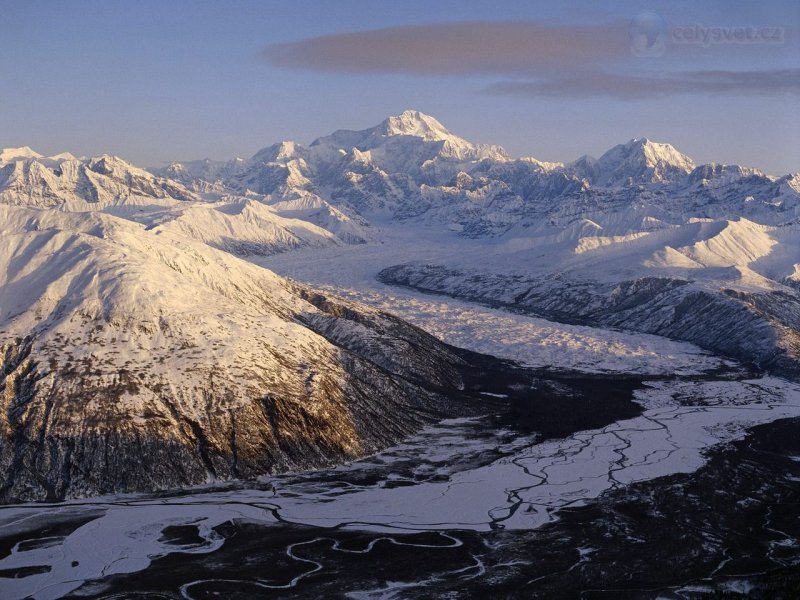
pixel 109 184
pixel 243 228
pixel 14 154
pixel 75 184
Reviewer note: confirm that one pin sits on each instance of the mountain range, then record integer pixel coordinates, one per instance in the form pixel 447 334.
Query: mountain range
pixel 134 321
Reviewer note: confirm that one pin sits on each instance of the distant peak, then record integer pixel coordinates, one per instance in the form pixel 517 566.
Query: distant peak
pixel 643 142
pixel 650 153
pixel 279 151
pixel 418 124
pixel 106 164
pixel 22 153
pixel 397 130
pixel 637 145
pixel 412 123
pixel 63 156
pixel 416 116
pixel 639 160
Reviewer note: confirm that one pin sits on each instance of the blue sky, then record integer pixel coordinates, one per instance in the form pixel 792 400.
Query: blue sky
pixel 157 81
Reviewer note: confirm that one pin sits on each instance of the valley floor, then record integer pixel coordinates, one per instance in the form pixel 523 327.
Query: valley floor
pixel 471 502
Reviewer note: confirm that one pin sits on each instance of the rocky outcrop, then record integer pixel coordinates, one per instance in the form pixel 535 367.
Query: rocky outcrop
pixel 69 434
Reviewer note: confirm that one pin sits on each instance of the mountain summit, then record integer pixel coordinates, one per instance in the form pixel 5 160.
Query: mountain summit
pixel 408 123
pixel 413 122
pixel 637 161
pixel 406 131
pixel 14 154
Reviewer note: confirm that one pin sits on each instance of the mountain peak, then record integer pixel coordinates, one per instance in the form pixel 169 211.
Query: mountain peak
pixel 639 160
pixel 281 150
pixel 409 123
pixel 411 135
pixel 654 152
pixel 22 153
pixel 106 164
pixel 417 124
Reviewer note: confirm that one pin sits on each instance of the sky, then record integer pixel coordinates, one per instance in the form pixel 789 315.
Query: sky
pixel 159 81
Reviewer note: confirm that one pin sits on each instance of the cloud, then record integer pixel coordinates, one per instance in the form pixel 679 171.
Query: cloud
pixel 462 48
pixel 632 87
pixel 541 60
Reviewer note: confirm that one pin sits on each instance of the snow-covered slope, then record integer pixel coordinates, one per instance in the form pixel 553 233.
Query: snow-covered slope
pixel 305 206
pixel 136 359
pixel 237 225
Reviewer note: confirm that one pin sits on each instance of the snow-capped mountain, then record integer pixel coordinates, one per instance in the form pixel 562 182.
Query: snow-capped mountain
pixel 379 170
pixel 638 161
pixel 407 141
pixel 411 168
pixel 137 359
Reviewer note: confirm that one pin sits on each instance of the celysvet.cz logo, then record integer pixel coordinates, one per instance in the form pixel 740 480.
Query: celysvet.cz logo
pixel 650 36
pixel 709 36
